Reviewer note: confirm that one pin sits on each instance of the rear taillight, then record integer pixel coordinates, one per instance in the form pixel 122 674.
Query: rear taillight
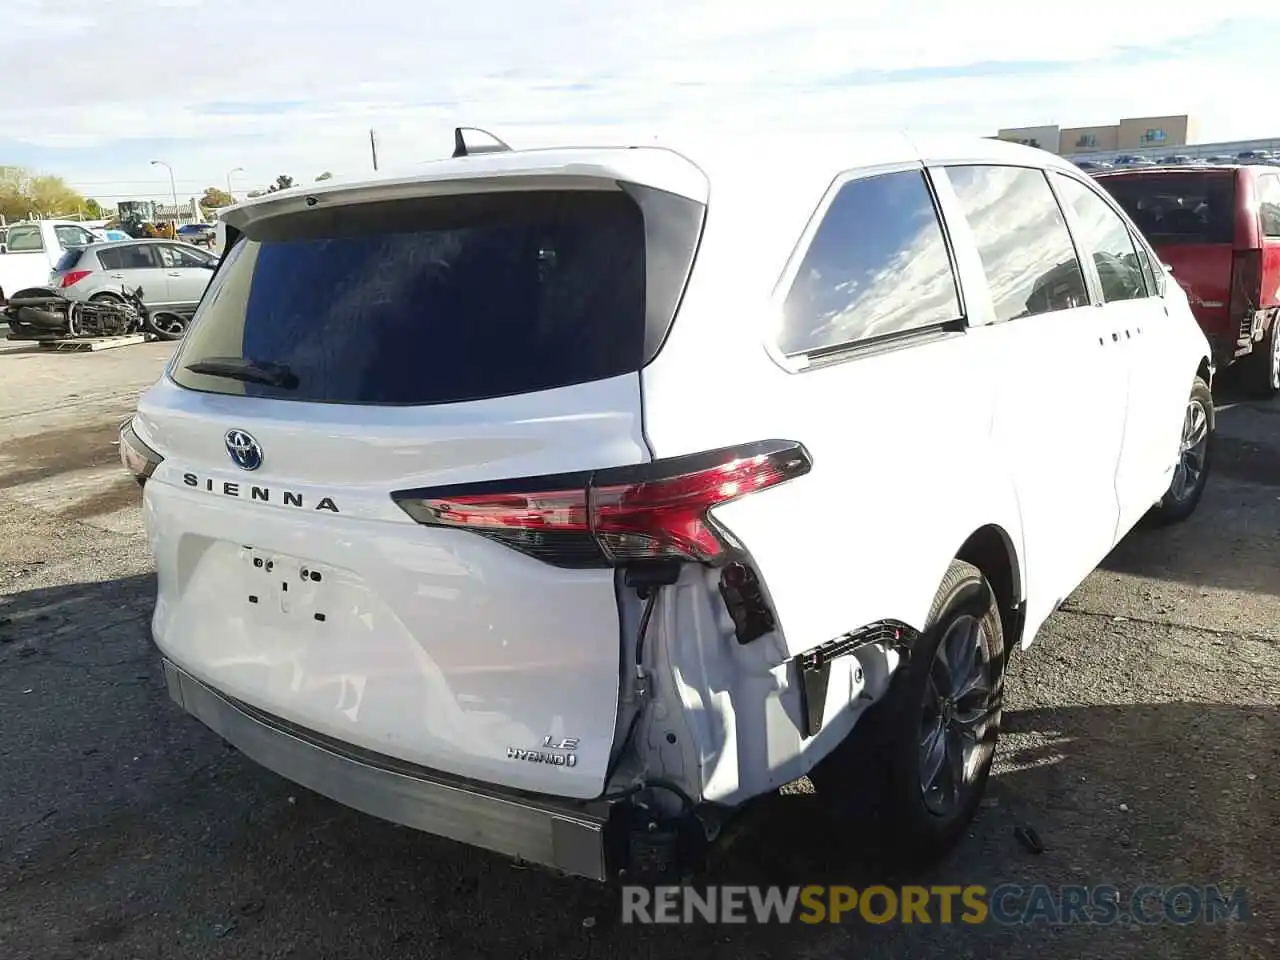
pixel 652 511
pixel 136 457
pixel 73 277
pixel 1246 285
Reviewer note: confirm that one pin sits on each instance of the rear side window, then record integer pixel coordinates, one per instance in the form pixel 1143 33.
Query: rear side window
pixel 139 256
pixel 1022 240
pixel 1178 208
pixel 25 239
pixel 68 260
pixel 1269 204
pixel 1105 235
pixel 444 300
pixel 878 265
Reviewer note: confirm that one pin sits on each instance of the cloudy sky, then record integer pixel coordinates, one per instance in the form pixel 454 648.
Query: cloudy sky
pixel 293 86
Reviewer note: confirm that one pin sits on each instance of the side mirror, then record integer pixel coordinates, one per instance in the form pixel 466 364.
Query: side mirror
pixel 1168 268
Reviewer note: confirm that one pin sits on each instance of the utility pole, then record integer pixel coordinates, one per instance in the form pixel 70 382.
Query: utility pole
pixel 373 147
pixel 173 186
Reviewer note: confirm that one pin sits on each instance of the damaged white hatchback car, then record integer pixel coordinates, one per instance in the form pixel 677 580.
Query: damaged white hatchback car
pixel 560 502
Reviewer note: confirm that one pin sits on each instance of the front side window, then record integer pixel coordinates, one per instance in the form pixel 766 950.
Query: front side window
pixel 878 265
pixel 72 237
pixel 1148 269
pixel 1269 204
pixel 1105 236
pixel 1022 240
pixel 177 258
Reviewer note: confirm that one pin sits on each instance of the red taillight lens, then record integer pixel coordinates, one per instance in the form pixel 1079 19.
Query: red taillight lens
pixel 1246 284
pixel 654 511
pixel 74 277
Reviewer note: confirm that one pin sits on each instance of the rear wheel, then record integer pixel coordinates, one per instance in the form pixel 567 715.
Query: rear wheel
pixel 926 749
pixel 1192 470
pixel 1260 370
pixel 167 326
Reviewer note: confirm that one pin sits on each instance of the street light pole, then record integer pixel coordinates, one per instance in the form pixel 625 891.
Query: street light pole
pixel 173 186
pixel 229 173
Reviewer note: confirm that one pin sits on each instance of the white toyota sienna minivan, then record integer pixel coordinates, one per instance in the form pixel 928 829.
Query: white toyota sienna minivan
pixel 560 502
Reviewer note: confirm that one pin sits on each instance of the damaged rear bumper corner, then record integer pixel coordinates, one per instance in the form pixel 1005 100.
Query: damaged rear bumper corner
pixel 583 839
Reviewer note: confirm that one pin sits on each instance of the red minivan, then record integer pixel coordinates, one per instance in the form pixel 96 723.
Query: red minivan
pixel 1218 228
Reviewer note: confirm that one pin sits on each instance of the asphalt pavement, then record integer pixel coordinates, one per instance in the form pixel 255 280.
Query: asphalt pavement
pixel 1142 746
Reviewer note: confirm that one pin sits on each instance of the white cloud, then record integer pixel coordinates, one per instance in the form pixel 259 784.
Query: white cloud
pixel 561 69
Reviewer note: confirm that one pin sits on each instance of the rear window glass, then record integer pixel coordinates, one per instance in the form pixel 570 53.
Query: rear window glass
pixel 25 240
pixel 430 301
pixel 1175 208
pixel 68 260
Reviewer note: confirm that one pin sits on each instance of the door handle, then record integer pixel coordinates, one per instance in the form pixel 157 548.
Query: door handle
pixel 175 273
pixel 117 276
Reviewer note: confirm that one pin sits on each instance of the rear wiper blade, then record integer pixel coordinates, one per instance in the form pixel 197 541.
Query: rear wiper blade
pixel 250 371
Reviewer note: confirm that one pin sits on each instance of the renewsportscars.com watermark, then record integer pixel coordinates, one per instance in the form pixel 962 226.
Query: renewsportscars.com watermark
pixel 1007 904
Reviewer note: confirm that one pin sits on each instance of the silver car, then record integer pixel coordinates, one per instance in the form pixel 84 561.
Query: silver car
pixel 172 275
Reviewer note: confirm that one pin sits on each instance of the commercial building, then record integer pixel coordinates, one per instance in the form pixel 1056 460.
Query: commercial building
pixel 1137 134
pixel 1153 137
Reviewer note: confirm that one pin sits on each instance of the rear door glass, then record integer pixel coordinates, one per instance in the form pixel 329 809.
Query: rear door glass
pixel 141 256
pixel 1022 240
pixel 431 301
pixel 1178 208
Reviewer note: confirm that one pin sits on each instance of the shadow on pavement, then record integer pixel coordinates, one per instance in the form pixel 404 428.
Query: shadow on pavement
pixel 1230 542
pixel 127 829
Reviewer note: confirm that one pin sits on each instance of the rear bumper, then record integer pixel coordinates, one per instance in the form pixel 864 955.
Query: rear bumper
pixel 576 838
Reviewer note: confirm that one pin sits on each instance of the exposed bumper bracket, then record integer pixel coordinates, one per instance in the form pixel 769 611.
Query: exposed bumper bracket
pixel 814 666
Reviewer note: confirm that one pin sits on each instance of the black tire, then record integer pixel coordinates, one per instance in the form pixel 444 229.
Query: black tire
pixel 1181 499
pixel 877 771
pixel 167 325
pixel 1260 370
pixel 106 297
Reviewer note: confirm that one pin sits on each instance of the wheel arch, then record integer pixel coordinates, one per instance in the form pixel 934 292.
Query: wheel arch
pixel 990 548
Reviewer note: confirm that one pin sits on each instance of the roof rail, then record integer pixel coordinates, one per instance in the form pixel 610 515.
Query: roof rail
pixel 460 148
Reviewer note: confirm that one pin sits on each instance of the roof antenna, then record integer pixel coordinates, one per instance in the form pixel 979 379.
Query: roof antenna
pixel 460 148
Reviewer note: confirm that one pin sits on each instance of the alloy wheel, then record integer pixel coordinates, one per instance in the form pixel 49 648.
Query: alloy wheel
pixel 960 701
pixel 1275 355
pixel 170 323
pixel 1191 453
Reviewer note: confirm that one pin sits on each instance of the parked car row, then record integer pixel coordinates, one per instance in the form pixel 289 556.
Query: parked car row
pixel 566 520
pixel 1265 157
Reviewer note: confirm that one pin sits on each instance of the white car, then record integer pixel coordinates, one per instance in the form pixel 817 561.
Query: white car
pixel 562 502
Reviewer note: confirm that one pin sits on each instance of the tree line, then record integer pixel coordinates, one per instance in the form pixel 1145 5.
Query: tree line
pixel 25 194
